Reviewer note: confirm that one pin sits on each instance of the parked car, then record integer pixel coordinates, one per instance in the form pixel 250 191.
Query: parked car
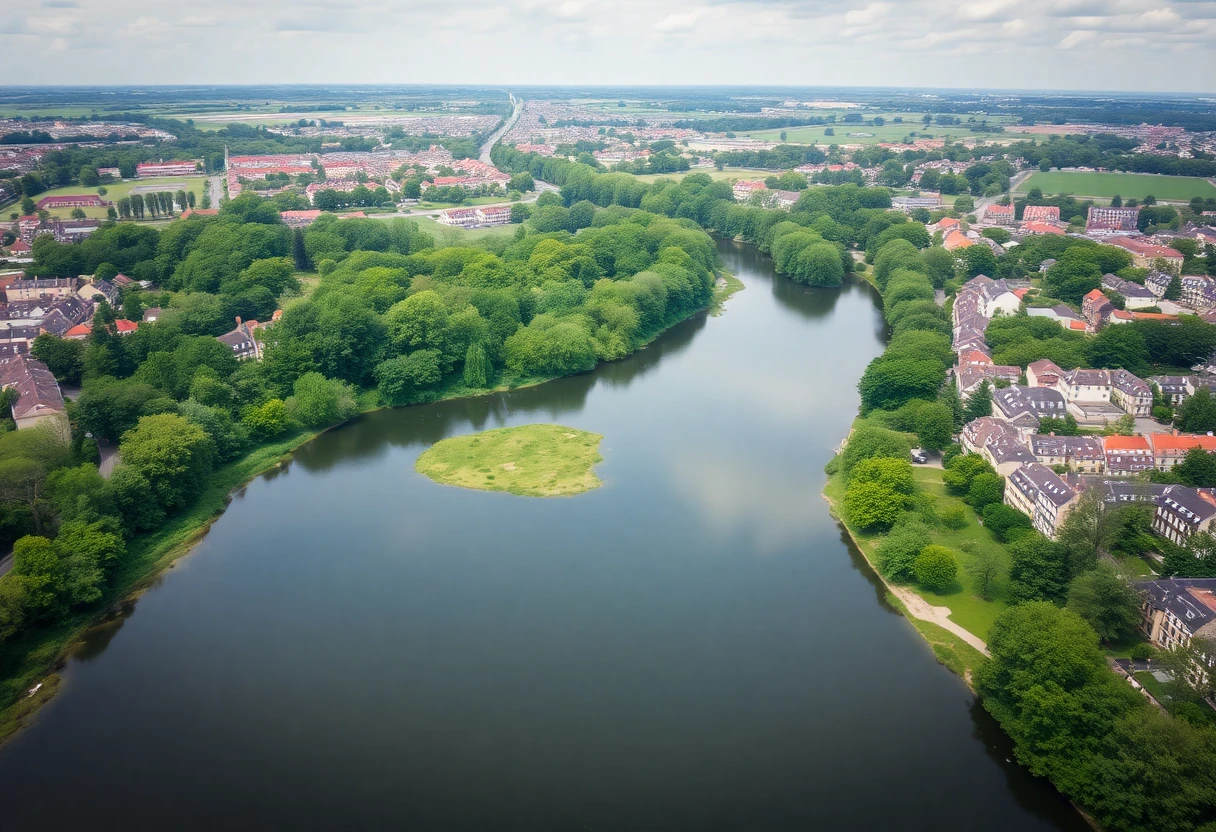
pixel 919 456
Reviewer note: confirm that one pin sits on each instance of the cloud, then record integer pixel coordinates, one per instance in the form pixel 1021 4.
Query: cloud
pixel 60 4
pixel 683 22
pixel 144 27
pixel 199 22
pixel 1075 39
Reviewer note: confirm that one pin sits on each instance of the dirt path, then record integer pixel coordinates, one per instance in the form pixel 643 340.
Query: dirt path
pixel 920 608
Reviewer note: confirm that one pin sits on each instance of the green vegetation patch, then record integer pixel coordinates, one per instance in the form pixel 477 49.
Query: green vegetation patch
pixel 1126 185
pixel 530 461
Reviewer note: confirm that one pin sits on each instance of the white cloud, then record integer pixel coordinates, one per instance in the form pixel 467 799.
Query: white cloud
pixel 1056 43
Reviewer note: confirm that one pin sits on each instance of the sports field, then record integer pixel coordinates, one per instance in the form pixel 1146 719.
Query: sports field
pixel 1101 185
pixel 115 190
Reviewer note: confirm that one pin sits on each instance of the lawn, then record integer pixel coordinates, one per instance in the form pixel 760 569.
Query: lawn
pixel 116 190
pixel 461 235
pixel 1103 185
pixel 813 134
pixel 724 175
pixel 967 609
pixel 529 461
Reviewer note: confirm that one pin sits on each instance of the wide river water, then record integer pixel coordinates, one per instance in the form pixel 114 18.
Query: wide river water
pixel 693 646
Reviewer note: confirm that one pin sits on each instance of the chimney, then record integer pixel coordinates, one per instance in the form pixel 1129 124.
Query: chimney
pixel 238 321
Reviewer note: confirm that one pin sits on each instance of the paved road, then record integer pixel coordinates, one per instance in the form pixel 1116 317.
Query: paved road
pixel 506 125
pixel 6 563
pixel 216 185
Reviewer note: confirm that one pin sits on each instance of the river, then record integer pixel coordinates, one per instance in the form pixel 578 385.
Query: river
pixel 692 646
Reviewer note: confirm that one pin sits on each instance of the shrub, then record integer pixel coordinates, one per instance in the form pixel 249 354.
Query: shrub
pixel 935 568
pixel 898 550
pixel 953 517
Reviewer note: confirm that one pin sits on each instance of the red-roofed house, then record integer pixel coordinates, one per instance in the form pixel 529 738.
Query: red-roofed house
pixel 1041 228
pixel 1041 213
pixel 1127 455
pixel 956 239
pixel 20 247
pixel 125 327
pixel 1143 254
pixel 78 332
pixel 999 214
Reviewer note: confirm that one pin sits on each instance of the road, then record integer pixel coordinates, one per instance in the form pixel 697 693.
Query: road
pixel 1018 179
pixel 501 131
pixel 215 185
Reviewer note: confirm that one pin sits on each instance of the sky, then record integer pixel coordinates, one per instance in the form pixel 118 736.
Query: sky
pixel 997 44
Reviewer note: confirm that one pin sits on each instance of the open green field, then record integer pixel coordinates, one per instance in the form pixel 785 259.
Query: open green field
pixel 1103 185
pixel 886 133
pixel 724 175
pixel 529 461
pixel 116 190
pixel 443 232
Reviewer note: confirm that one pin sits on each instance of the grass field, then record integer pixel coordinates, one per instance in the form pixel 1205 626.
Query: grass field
pixel 1101 185
pixel 724 175
pixel 115 190
pixel 529 461
pixel 887 133
pixel 442 232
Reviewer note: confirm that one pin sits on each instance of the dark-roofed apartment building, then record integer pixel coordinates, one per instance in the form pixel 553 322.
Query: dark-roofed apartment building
pixel 57 287
pixel 1127 455
pixel 1022 407
pixel 1176 610
pixel 1131 393
pixel 1175 389
pixel 1136 296
pixel 1037 492
pixel 1182 511
pixel 38 394
pixel 1083 454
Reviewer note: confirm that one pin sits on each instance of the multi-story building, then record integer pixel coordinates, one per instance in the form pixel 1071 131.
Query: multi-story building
pixel 38 396
pixel 1043 373
pixel 1176 610
pixel 1083 454
pixel 147 169
pixel 1198 291
pixel 1169 449
pixel 1023 407
pixel 1134 295
pixel 1041 213
pixel 1036 491
pixel 999 214
pixel 58 287
pixel 1146 254
pixel 1103 218
pixel 1175 389
pixel 1131 393
pixel 1127 455
pixel 1182 511
pixel 1158 283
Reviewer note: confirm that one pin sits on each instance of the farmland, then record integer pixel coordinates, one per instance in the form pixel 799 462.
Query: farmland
pixel 117 190
pixel 889 132
pixel 1101 185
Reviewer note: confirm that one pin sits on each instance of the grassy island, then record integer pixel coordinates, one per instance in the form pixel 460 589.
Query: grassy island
pixel 530 461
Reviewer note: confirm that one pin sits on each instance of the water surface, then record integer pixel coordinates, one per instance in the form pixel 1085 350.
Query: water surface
pixel 692 646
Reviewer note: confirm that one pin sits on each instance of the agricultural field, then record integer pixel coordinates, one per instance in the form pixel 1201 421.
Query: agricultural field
pixel 724 175
pixel 1102 185
pixel 888 132
pixel 116 190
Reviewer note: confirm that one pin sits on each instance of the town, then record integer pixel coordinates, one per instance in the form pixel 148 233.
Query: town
pixel 436 384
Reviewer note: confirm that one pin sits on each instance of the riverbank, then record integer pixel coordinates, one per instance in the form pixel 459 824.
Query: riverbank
pixel 36 659
pixel 954 646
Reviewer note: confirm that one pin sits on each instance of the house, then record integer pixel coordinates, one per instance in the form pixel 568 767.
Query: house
pixel 50 203
pixel 744 188
pixel 100 289
pixel 1106 219
pixel 242 342
pixel 1169 449
pixel 16 340
pixel 1135 295
pixel 945 224
pixel 20 248
pixel 1176 610
pixel 1041 213
pixel 999 214
pixel 1046 265
pixel 1158 283
pixel 1083 454
pixel 1121 492
pixel 1061 313
pixel 125 327
pixel 1041 228
pixel 1036 491
pixel 956 239
pixel 975 366
pixel 1127 455
pixel 1043 373
pixel 1174 389
pixel 995 294
pixel 38 396
pixel 1096 307
pixel 1131 393
pixel 152 313
pixel 152 169
pixel 1182 511
pixel 299 219
pixel 57 287
pixel 1085 385
pixel 1006 453
pixel 978 433
pixel 1023 407
pixel 78 333
pixel 1144 254
pixel 1198 291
